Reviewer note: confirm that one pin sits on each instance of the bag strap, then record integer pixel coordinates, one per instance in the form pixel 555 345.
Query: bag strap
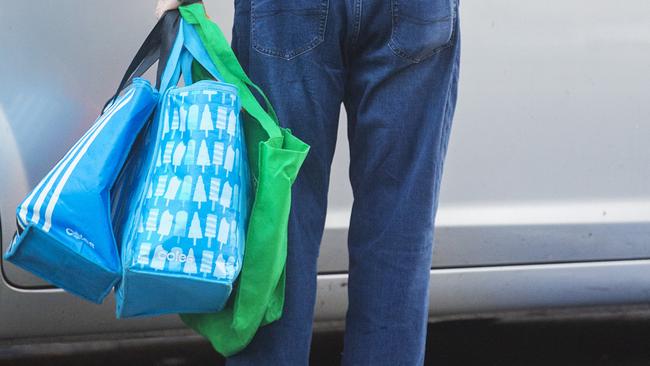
pixel 196 48
pixel 187 48
pixel 220 52
pixel 186 67
pixel 171 72
pixel 155 47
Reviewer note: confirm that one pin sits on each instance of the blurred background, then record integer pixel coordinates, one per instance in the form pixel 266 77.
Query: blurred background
pixel 543 229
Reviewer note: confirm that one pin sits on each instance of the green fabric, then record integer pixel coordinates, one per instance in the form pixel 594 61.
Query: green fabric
pixel 275 157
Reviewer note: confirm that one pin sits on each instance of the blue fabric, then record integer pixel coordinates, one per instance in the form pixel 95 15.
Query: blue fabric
pixel 395 66
pixel 187 47
pixel 183 235
pixel 67 220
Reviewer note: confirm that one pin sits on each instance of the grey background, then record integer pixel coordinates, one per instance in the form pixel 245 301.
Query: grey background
pixel 546 194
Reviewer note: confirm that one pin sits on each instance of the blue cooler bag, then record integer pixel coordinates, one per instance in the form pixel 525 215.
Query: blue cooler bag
pixel 65 229
pixel 182 237
pixel 65 225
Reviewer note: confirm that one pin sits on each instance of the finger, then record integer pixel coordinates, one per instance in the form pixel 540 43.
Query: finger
pixel 163 5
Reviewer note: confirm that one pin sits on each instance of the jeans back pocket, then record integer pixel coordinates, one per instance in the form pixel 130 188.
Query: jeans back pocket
pixel 421 28
pixel 287 28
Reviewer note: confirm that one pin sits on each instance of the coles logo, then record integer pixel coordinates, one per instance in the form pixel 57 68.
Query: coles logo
pixel 78 236
pixel 174 256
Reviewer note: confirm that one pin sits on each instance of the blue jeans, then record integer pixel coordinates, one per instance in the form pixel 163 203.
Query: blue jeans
pixel 394 64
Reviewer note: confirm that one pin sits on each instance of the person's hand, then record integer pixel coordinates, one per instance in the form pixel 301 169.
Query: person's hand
pixel 163 5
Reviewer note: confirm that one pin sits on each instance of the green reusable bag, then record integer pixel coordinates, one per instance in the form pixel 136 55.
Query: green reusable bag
pixel 275 157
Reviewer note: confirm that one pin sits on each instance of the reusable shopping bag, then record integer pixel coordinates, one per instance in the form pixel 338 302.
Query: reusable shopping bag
pixel 275 157
pixel 182 240
pixel 65 232
pixel 64 224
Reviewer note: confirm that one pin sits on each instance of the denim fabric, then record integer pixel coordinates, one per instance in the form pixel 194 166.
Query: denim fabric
pixel 394 65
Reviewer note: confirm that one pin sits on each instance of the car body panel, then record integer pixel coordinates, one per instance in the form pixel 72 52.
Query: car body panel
pixel 545 200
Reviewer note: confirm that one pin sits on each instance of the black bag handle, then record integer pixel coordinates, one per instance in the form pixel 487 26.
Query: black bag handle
pixel 156 47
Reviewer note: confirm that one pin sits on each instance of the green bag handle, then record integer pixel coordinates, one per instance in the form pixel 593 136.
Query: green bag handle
pixel 231 70
pixel 232 328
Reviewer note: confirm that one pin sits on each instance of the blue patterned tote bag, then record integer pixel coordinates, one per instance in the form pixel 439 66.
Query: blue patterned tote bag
pixel 182 238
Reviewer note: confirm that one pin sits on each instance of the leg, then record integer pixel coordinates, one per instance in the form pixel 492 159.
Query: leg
pixel 400 107
pixel 307 97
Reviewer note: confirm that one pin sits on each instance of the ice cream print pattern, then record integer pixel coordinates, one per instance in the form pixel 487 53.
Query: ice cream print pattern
pixel 191 221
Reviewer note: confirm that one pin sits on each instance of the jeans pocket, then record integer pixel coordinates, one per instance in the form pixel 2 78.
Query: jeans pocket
pixel 421 28
pixel 288 28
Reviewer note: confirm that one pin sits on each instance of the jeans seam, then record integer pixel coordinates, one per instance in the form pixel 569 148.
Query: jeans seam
pixel 446 129
pixel 357 21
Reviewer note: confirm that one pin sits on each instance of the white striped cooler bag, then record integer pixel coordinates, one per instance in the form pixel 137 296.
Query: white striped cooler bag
pixel 64 225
